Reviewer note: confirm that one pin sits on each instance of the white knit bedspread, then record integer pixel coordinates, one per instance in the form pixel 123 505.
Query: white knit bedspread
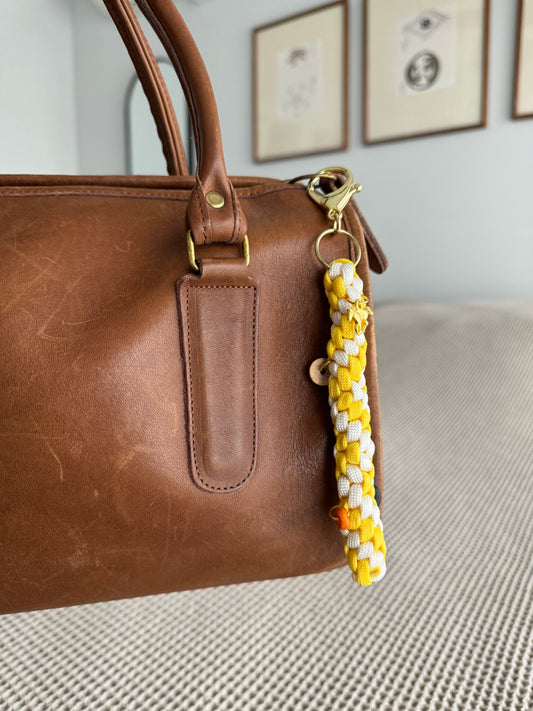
pixel 449 627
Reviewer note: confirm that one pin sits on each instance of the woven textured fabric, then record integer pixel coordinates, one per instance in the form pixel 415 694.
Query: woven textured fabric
pixel 450 627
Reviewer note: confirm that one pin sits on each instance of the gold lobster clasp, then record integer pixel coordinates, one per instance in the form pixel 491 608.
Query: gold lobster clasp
pixel 336 200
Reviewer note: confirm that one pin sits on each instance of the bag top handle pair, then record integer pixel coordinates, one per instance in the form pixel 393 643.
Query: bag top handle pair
pixel 153 84
pixel 211 220
pixel 214 212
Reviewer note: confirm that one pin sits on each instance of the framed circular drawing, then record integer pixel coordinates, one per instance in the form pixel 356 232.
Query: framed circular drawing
pixel 425 67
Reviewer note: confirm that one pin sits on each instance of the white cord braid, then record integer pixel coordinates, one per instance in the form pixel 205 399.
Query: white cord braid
pixel 357 514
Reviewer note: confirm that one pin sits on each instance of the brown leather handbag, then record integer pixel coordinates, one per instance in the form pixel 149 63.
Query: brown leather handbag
pixel 159 428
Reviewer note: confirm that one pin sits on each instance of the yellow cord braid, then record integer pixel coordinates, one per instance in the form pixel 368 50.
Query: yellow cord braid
pixel 357 514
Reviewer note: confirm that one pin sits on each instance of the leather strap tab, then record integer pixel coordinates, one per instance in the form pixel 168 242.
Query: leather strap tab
pixel 218 313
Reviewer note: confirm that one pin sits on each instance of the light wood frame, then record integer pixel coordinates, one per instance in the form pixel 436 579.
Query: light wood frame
pixel 264 121
pixel 521 60
pixel 479 121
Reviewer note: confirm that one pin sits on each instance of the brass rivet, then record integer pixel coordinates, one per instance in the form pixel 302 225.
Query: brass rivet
pixel 317 371
pixel 215 199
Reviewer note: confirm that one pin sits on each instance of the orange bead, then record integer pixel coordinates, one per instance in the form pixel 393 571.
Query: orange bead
pixel 343 521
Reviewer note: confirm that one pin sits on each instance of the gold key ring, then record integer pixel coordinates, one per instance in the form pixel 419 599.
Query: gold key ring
pixel 332 231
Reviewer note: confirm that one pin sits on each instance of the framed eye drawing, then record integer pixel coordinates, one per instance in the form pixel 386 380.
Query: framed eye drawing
pixel 300 84
pixel 523 84
pixel 425 68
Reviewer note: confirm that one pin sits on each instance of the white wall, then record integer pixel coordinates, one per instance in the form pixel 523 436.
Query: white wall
pixel 37 98
pixel 103 73
pixel 454 213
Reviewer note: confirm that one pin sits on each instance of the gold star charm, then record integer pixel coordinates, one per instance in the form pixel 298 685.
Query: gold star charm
pixel 360 312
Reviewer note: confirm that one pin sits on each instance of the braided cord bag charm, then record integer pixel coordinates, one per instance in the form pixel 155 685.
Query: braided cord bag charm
pixel 357 514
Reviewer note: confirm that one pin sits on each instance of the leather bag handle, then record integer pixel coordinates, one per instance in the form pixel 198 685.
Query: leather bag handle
pixel 155 88
pixel 153 84
pixel 211 219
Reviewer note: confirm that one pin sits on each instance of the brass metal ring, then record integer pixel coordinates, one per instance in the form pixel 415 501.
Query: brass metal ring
pixel 191 252
pixel 332 231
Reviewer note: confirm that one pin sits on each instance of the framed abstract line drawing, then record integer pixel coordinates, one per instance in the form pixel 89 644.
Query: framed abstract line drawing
pixel 426 67
pixel 523 84
pixel 300 75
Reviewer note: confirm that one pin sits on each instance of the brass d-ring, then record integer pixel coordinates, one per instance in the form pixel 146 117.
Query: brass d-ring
pixel 332 231
pixel 191 252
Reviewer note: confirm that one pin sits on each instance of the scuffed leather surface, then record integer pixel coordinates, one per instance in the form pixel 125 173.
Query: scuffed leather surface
pixel 219 334
pixel 377 259
pixel 97 497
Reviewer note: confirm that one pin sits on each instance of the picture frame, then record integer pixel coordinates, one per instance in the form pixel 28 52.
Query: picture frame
pixel 300 84
pixel 425 67
pixel 523 81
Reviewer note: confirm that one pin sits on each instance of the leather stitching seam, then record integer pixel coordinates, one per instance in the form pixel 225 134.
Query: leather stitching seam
pixel 238 215
pixel 38 191
pixel 196 192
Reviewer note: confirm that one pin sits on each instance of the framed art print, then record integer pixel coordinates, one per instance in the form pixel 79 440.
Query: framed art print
pixel 300 84
pixel 425 67
pixel 523 85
